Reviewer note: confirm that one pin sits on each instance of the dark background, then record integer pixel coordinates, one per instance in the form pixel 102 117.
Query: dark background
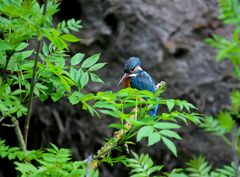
pixel 168 36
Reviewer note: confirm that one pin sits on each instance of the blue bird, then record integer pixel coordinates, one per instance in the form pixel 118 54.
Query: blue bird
pixel 136 77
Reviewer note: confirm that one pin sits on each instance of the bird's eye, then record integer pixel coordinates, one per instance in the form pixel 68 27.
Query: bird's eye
pixel 131 70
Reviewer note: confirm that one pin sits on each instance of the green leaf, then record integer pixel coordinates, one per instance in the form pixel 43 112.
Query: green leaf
pixel 4 45
pixel 56 96
pixel 84 79
pixel 154 138
pixel 73 73
pixel 26 54
pixel 97 66
pixel 75 97
pixel 90 61
pixel 166 125
pixel 171 146
pixel 226 121
pixel 154 169
pixel 78 76
pixel 109 112
pixel 118 126
pixel 25 168
pixel 95 78
pixel 170 134
pixel 22 46
pixel 70 38
pixel 144 132
pixel 170 104
pixel 45 49
pixel 235 102
pixel 77 58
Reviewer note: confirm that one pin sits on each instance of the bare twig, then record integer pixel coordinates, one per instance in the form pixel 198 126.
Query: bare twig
pixel 19 134
pixel 2 118
pixel 7 125
pixel 89 161
pixel 59 121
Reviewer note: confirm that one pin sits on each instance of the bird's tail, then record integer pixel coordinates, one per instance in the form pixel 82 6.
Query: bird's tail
pixel 153 111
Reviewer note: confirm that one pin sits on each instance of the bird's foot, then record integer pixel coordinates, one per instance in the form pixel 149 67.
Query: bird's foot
pixel 160 84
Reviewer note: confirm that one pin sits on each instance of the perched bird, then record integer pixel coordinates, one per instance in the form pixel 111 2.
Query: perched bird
pixel 136 77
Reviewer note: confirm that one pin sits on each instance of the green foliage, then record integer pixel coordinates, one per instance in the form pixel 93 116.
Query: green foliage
pixel 225 122
pixel 59 75
pixel 235 102
pixel 142 166
pixel 160 128
pixel 198 167
pixel 50 162
pixel 220 125
pixel 229 11
pixel 160 131
pixel 70 25
pixel 54 79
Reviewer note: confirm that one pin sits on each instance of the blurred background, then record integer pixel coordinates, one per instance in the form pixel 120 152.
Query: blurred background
pixel 168 36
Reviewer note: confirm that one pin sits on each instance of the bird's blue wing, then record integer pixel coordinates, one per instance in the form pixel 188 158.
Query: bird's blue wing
pixel 141 80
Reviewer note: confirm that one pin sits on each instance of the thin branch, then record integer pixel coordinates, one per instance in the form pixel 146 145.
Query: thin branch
pixel 7 125
pixel 9 55
pixel 19 134
pixel 235 154
pixel 27 122
pixel 2 118
pixel 89 161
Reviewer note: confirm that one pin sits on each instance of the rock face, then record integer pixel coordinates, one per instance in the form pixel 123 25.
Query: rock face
pixel 168 36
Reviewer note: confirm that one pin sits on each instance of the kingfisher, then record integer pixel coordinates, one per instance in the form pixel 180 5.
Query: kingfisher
pixel 135 77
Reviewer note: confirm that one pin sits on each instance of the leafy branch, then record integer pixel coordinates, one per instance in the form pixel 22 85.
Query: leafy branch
pixel 142 166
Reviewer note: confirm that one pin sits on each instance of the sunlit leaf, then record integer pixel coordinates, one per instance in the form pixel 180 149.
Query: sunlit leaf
pixel 84 79
pixel 77 58
pixel 154 138
pixel 90 61
pixel 144 132
pixel 171 146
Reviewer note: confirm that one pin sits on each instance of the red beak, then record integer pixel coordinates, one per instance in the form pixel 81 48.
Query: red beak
pixel 123 78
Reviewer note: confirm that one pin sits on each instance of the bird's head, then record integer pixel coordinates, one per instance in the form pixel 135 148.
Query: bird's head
pixel 131 65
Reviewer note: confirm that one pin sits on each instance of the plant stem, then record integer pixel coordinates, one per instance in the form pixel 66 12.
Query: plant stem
pixel 9 55
pixel 227 140
pixel 235 154
pixel 19 134
pixel 27 121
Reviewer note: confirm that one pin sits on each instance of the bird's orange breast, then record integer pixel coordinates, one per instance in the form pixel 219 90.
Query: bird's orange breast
pixel 127 82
